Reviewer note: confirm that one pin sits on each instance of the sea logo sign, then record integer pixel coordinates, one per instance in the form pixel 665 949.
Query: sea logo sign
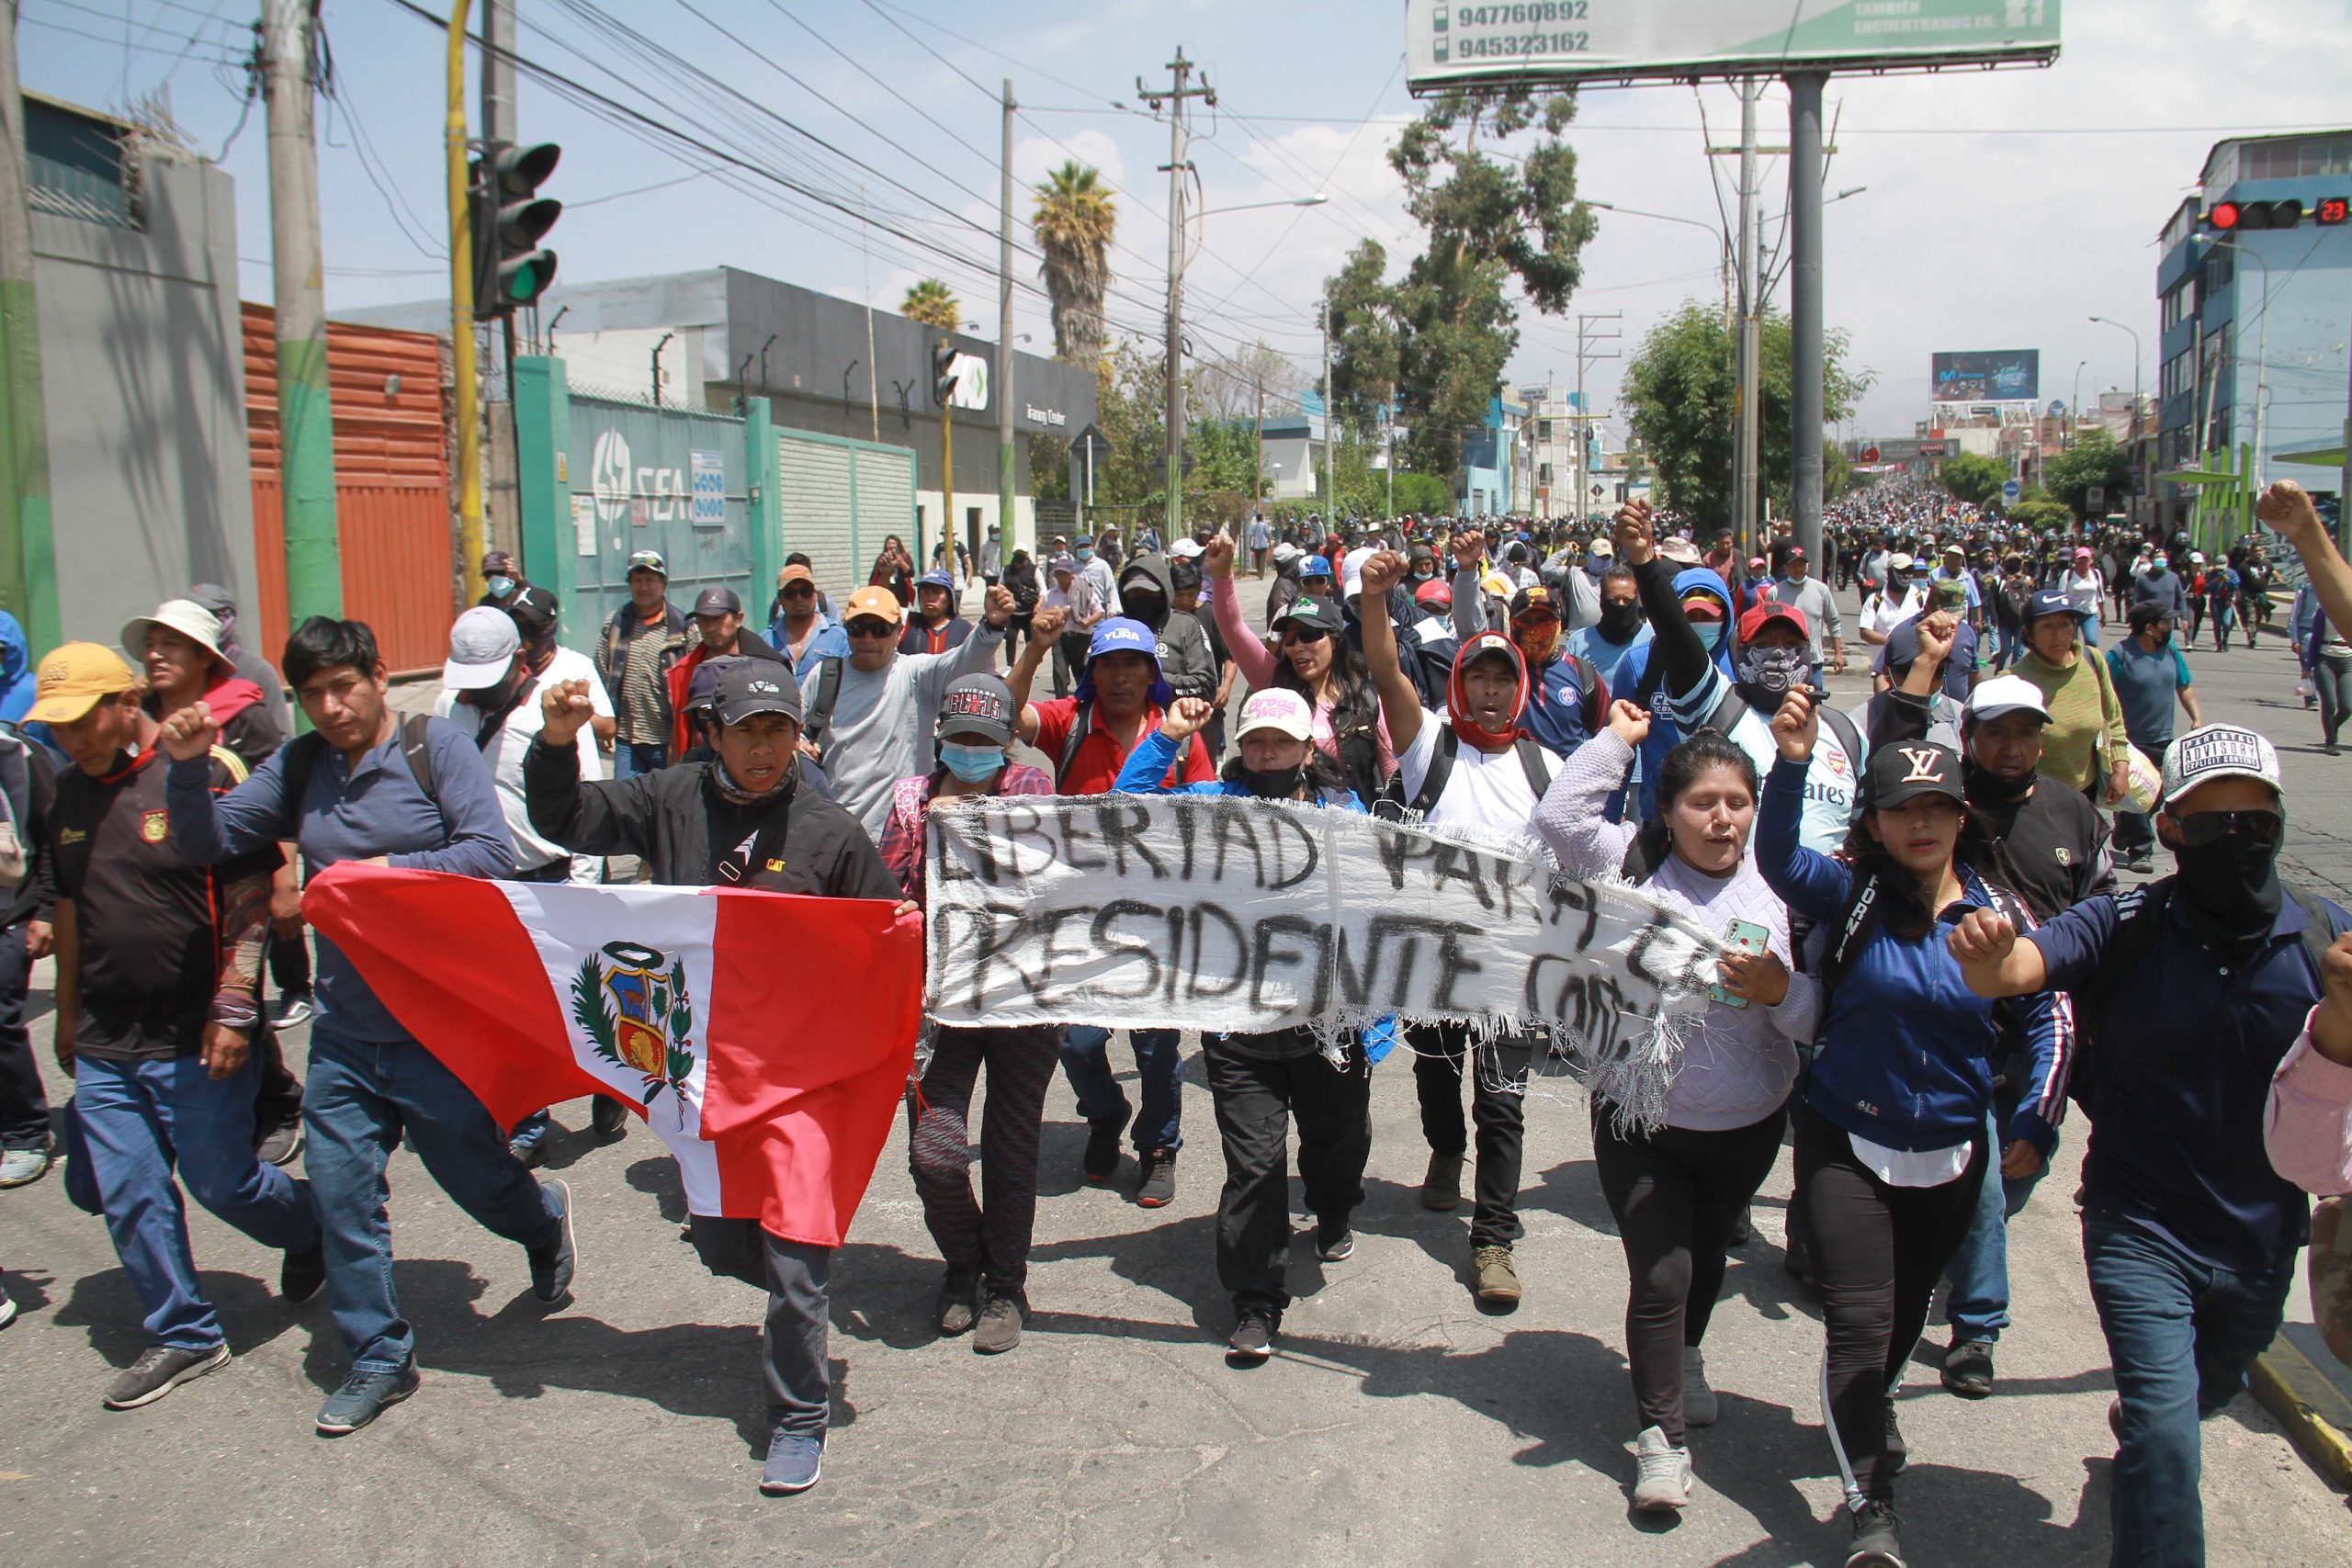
pixel 631 1002
pixel 626 492
pixel 608 474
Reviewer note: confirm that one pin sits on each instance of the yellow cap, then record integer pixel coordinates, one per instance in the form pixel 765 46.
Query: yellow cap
pixel 70 680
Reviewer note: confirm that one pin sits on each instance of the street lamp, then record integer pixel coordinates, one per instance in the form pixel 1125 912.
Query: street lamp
pixel 2142 480
pixel 2261 350
pixel 2075 407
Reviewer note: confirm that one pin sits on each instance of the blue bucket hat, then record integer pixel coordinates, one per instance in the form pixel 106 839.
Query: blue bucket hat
pixel 1122 635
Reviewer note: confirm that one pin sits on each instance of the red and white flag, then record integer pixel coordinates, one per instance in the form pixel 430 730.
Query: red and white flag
pixel 765 1037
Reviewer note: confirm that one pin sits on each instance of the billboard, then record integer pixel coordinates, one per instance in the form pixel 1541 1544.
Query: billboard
pixel 2001 375
pixel 1454 43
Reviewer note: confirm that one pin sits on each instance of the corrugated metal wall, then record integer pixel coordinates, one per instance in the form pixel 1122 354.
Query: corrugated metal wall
pixel 391 472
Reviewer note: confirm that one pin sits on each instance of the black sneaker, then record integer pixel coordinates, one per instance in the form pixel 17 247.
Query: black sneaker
pixel 1252 1340
pixel 1102 1161
pixel 293 1011
pixel 160 1369
pixel 552 1265
pixel 362 1398
pixel 300 1275
pixel 1157 1187
pixel 1334 1242
pixel 278 1146
pixel 607 1117
pixel 1742 1231
pixel 1898 1455
pixel 1878 1537
pixel 1968 1368
pixel 959 1300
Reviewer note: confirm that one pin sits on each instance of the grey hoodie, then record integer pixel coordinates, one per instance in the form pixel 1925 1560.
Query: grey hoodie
pixel 1185 657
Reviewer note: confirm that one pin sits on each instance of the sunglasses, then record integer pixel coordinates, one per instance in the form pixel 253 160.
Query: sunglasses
pixel 872 628
pixel 799 591
pixel 2199 828
pixel 1302 636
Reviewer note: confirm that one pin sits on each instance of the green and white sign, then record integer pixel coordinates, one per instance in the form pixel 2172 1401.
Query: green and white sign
pixel 1453 43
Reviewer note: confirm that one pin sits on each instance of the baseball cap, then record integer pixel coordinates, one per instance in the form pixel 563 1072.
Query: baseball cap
pixel 981 704
pixel 1122 634
pixel 648 561
pixel 703 690
pixel 2208 752
pixel 185 616
pixel 718 600
pixel 1603 547
pixel 1315 565
pixel 1434 591
pixel 1900 561
pixel 936 580
pixel 1956 548
pixel 1680 551
pixel 1536 601
pixel 2006 694
pixel 1285 553
pixel 1185 548
pixel 1905 771
pixel 72 678
pixel 1952 591
pixel 876 600
pixel 1794 552
pixel 497 563
pixel 1306 612
pixel 534 609
pixel 795 574
pixel 1351 571
pixel 1066 562
pixel 1765 611
pixel 2082 552
pixel 2047 602
pixel 1276 708
pixel 483 644
pixel 756 686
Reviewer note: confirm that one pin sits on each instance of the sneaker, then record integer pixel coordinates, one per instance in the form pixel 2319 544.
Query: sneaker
pixel 1494 1280
pixel 1441 1188
pixel 607 1117
pixel 999 1329
pixel 1878 1537
pixel 1898 1453
pixel 293 1008
pixel 959 1300
pixel 1662 1474
pixel 1252 1340
pixel 22 1167
pixel 362 1398
pixel 1968 1368
pixel 794 1463
pixel 278 1146
pixel 1157 1187
pixel 531 1148
pixel 300 1275
pixel 159 1370
pixel 1742 1231
pixel 1699 1406
pixel 1334 1243
pixel 1102 1161
pixel 552 1265
pixel 7 1309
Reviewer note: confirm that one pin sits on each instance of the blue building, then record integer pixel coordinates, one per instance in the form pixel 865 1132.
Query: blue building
pixel 1491 482
pixel 2253 321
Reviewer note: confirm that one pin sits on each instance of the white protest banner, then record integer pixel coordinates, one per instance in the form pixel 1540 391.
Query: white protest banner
pixel 1223 913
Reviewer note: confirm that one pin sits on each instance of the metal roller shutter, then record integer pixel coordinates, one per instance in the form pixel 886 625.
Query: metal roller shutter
pixel 817 511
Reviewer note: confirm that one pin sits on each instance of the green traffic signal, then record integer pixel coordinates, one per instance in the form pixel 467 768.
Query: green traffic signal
pixel 510 219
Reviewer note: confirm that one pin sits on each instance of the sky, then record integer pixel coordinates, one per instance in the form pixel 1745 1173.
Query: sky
pixel 1996 210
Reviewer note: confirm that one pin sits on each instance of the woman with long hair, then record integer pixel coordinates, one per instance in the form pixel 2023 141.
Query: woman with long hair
pixel 895 569
pixel 1892 1143
pixel 1679 1175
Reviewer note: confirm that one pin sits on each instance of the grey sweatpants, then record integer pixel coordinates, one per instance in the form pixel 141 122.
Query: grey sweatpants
pixel 800 1388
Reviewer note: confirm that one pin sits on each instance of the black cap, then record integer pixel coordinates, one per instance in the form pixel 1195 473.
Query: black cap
pixel 1308 611
pixel 534 609
pixel 982 704
pixel 703 690
pixel 1901 772
pixel 497 563
pixel 718 602
pixel 756 686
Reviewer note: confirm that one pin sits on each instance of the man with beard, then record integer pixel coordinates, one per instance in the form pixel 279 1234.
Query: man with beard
pixel 2191 991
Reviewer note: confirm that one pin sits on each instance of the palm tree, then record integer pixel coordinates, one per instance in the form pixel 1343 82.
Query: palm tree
pixel 930 302
pixel 1074 220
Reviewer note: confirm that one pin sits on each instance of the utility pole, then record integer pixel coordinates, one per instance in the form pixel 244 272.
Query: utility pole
pixel 1806 324
pixel 464 371
pixel 1745 445
pixel 1582 419
pixel 498 122
pixel 1004 444
pixel 1180 70
pixel 305 415
pixel 28 554
pixel 1258 485
pixel 1330 474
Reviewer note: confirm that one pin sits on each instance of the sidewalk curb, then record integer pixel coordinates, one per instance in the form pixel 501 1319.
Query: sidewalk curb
pixel 2314 1411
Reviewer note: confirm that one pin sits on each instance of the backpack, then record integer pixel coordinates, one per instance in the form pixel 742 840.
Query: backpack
pixel 300 759
pixel 1531 761
pixel 816 718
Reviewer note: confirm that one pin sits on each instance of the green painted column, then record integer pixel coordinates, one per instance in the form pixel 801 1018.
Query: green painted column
pixel 28 547
pixel 761 481
pixel 306 467
pixel 550 542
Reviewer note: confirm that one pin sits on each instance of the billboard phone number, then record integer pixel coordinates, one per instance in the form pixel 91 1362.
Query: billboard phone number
pixel 1535 12
pixel 1511 45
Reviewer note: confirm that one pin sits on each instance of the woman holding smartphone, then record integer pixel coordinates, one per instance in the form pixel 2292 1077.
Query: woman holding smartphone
pixel 1892 1143
pixel 1678 1174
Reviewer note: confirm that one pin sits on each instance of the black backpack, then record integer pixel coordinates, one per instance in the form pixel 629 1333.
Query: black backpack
pixel 816 718
pixel 300 757
pixel 1531 761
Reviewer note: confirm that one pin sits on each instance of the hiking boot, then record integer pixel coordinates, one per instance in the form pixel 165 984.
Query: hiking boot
pixel 159 1370
pixel 552 1265
pixel 1699 1406
pixel 607 1117
pixel 1334 1242
pixel 1252 1340
pixel 793 1464
pixel 1878 1537
pixel 1493 1280
pixel 1000 1325
pixel 300 1275
pixel 959 1300
pixel 364 1396
pixel 1968 1368
pixel 1441 1188
pixel 1662 1474
pixel 22 1167
pixel 1157 1187
pixel 278 1146
pixel 1102 1161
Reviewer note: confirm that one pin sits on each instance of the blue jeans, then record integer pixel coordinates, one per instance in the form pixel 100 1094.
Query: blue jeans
pixel 2180 1336
pixel 2009 646
pixel 630 758
pixel 2089 623
pixel 361 1098
pixel 137 1119
pixel 1086 1059
pixel 1978 1306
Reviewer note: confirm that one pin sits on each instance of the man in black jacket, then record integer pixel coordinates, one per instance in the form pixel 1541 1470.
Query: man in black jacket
pixel 742 819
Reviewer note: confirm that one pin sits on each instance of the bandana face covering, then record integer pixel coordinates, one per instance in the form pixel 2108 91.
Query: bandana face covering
pixel 1275 784
pixel 1776 671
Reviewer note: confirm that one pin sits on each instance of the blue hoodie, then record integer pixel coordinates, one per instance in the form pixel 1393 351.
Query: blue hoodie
pixel 15 670
pixel 1665 734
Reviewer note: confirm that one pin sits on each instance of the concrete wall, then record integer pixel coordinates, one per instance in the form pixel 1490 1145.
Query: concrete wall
pixel 142 364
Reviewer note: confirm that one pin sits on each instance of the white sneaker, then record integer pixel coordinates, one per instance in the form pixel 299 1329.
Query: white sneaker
pixel 1699 1406
pixel 1662 1480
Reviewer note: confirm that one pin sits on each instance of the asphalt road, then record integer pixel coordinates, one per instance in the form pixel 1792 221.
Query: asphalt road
pixel 1398 1423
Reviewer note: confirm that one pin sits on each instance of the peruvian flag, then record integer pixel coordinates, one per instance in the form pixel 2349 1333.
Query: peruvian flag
pixel 764 1036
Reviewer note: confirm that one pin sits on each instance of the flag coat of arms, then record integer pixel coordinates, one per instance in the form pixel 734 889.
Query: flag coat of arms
pixel 765 1037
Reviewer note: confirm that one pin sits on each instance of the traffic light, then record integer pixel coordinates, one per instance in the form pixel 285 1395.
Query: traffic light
pixel 2225 217
pixel 510 218
pixel 2329 212
pixel 942 372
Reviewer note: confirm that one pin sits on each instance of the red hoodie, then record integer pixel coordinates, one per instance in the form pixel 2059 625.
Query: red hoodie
pixel 1457 700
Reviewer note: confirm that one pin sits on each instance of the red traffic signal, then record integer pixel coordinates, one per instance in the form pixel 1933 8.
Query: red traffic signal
pixel 2226 216
pixel 2330 211
pixel 2223 215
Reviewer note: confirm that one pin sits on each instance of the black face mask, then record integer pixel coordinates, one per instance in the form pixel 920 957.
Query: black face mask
pixel 1987 787
pixel 2230 891
pixel 1620 622
pixel 1279 784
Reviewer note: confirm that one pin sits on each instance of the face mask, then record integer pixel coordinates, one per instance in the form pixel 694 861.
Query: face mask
pixel 500 587
pixel 1711 634
pixel 1620 622
pixel 1281 783
pixel 2229 889
pixel 1775 671
pixel 973 764
pixel 1085 552
pixel 1987 787
pixel 2159 563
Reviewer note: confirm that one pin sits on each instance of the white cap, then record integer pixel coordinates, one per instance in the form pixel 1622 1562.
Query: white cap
pixel 1899 561
pixel 2006 694
pixel 1184 548
pixel 1285 553
pixel 2218 751
pixel 1277 709
pixel 483 643
pixel 1351 571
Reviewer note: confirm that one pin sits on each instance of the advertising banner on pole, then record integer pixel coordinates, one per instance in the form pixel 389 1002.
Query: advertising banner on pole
pixel 1999 376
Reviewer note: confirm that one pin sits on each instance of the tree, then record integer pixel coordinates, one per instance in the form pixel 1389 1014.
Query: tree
pixel 930 303
pixel 1360 311
pixel 1074 220
pixel 1679 391
pixel 1225 385
pixel 2093 459
pixel 1421 493
pixel 1974 478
